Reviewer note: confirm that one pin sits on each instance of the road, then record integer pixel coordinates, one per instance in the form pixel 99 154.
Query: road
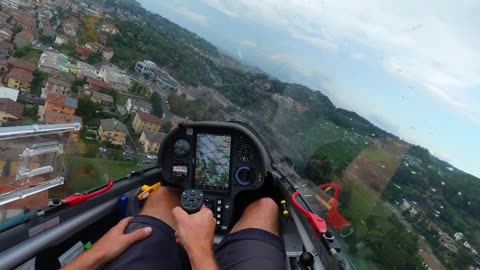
pixel 164 95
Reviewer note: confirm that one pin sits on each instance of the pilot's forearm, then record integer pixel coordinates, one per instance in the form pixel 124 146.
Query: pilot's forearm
pixel 202 259
pixel 87 260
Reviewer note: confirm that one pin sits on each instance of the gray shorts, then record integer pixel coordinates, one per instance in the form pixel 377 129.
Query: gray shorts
pixel 242 250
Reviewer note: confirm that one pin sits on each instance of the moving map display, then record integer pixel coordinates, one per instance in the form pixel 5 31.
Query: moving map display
pixel 212 161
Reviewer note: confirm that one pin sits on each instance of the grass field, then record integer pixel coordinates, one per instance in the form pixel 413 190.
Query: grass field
pixel 87 173
pixel 122 100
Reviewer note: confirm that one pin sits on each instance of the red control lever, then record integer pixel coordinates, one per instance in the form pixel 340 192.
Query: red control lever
pixel 78 198
pixel 318 223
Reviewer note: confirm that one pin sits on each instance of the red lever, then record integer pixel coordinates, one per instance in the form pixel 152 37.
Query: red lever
pixel 78 198
pixel 318 223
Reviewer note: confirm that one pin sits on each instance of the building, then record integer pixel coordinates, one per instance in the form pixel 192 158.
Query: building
pixel 107 53
pixel 145 66
pixel 112 131
pixel 5 34
pixel 83 69
pixel 94 47
pixel 22 39
pixel 458 236
pixel 104 99
pixel 19 79
pixel 61 104
pixel 71 27
pixel 109 28
pixel 26 21
pixel 19 64
pixel 182 91
pixel 165 79
pixel 97 85
pixel 58 85
pixel 9 93
pixel 5 49
pixel 151 140
pixel 176 120
pixel 446 241
pixel 11 3
pixel 52 117
pixel 145 121
pixel 51 62
pixel 3 66
pixel 48 31
pixel 138 105
pixel 84 53
pixel 116 77
pixel 10 110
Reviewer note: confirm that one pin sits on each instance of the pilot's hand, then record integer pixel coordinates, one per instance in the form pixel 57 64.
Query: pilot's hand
pixel 110 246
pixel 195 232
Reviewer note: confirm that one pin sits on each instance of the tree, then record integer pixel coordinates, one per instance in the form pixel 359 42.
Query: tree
pixel 78 83
pixel 31 112
pixel 17 29
pixel 87 109
pixel 9 19
pixel 37 82
pixel 137 88
pixel 167 126
pixel 94 58
pixel 6 168
pixel 156 101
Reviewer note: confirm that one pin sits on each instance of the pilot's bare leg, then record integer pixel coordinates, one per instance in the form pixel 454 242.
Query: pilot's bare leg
pixel 159 250
pixel 160 205
pixel 261 214
pixel 254 241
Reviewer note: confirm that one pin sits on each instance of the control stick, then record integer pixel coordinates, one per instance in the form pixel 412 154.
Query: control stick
pixel 191 200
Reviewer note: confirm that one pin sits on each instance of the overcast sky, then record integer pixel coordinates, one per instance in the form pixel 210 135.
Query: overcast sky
pixel 410 67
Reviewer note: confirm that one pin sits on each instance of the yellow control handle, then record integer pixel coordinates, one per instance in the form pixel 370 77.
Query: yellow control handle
pixel 148 190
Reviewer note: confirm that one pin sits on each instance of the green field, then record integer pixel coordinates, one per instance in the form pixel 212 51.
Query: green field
pixel 87 173
pixel 122 100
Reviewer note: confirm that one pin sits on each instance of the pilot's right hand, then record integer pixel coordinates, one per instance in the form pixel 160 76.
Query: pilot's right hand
pixel 195 232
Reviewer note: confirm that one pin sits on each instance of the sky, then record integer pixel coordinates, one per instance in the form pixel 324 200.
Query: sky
pixel 410 67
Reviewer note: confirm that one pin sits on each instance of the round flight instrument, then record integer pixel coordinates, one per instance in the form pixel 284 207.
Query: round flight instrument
pixel 181 147
pixel 244 153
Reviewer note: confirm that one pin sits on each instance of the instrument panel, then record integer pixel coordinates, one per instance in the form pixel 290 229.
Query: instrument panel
pixel 221 159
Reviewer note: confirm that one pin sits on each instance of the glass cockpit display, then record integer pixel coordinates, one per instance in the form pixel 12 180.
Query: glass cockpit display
pixel 212 161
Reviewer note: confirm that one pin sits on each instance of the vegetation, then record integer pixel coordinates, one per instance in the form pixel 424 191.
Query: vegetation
pixel 197 110
pixel 95 58
pixel 87 109
pixel 156 101
pixel 46 40
pixel 28 54
pixel 137 88
pixel 37 82
pixel 31 112
pixel 78 83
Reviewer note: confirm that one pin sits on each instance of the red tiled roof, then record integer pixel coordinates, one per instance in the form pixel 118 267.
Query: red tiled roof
pixel 57 118
pixel 83 52
pixel 25 34
pixel 6 45
pixel 9 106
pixel 21 75
pixel 21 64
pixel 100 84
pixel 62 100
pixel 149 118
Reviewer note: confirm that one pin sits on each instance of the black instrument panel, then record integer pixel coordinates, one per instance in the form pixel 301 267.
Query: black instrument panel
pixel 220 159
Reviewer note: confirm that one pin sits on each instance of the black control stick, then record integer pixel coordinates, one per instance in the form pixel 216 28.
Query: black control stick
pixel 191 200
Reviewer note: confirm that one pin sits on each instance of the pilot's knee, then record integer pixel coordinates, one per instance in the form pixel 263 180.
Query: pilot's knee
pixel 265 205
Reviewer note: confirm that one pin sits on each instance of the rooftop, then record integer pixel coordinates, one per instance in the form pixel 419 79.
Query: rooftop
pixel 21 64
pixel 102 97
pixel 24 34
pixel 113 125
pixel 6 45
pixel 22 75
pixel 149 118
pixel 52 117
pixel 141 103
pixel 154 137
pixel 83 52
pixel 10 93
pixel 59 81
pixel 53 60
pixel 100 83
pixel 9 106
pixel 62 100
